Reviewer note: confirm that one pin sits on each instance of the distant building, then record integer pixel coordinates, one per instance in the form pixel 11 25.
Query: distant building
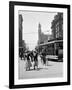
pixel 50 37
pixel 41 36
pixel 57 26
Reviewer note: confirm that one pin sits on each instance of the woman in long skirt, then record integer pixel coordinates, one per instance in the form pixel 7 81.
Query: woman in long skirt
pixel 28 62
pixel 40 65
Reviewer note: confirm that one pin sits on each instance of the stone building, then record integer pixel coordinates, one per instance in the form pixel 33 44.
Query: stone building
pixel 57 26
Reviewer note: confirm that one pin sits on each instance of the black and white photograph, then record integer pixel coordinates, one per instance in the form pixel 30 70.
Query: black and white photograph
pixel 39 40
pixel 40 44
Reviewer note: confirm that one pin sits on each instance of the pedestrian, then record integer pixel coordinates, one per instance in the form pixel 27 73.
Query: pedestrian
pixel 44 58
pixel 28 62
pixel 35 55
pixel 40 65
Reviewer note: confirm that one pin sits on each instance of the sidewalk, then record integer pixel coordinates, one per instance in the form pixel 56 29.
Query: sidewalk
pixel 52 56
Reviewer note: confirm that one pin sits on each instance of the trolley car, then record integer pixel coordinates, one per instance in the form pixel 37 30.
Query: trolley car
pixel 53 49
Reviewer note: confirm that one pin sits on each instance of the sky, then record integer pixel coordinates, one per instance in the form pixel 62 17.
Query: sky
pixel 31 19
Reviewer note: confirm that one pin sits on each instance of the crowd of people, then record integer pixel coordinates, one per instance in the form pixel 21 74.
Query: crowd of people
pixel 33 59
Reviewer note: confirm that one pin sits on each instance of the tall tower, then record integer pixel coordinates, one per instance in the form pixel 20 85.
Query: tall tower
pixel 39 33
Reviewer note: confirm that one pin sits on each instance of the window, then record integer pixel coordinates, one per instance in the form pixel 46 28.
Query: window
pixel 57 30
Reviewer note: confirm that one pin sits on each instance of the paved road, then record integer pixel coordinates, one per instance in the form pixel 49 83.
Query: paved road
pixel 54 69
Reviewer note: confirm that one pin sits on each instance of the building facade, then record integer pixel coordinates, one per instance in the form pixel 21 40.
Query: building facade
pixel 20 30
pixel 57 26
pixel 21 42
pixel 57 31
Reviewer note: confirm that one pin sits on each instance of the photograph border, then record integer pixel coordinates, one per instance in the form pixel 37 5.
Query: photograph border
pixel 11 43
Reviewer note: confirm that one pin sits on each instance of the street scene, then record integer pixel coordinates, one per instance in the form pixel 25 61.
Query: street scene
pixel 40 45
pixel 53 69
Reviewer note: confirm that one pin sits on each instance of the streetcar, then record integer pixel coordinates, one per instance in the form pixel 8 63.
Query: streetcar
pixel 53 49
